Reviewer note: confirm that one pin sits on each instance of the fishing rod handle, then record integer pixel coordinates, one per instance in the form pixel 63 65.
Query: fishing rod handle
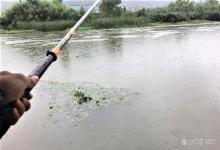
pixel 38 71
pixel 42 67
pixel 5 109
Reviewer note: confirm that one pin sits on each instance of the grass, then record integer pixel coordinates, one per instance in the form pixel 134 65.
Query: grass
pixel 96 23
pixel 189 22
pixel 117 22
pixel 45 25
pixel 14 31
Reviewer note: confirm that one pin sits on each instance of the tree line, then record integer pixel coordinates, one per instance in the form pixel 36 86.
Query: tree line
pixel 29 14
pixel 183 10
pixel 37 10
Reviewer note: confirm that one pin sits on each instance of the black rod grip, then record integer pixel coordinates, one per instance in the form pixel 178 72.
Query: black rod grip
pixel 38 71
pixel 42 67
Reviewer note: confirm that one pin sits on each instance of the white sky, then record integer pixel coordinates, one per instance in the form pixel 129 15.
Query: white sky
pixel 122 0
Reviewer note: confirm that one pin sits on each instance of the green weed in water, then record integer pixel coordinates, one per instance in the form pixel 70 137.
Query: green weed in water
pixel 75 99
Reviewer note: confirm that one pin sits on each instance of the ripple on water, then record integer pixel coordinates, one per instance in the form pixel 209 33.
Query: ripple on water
pixel 158 34
pixel 204 29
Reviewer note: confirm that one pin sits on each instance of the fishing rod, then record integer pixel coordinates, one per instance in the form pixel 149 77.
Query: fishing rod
pixel 51 56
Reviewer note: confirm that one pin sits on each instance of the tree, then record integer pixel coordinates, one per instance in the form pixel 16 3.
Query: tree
pixel 81 11
pixel 124 9
pixel 36 10
pixel 182 5
pixel 212 5
pixel 212 10
pixel 141 12
pixel 57 1
pixel 111 8
pixel 32 1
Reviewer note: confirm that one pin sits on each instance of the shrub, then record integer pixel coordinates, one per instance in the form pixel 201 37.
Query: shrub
pixel 36 10
pixel 213 16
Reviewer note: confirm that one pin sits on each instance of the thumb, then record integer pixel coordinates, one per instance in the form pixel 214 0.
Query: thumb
pixel 32 81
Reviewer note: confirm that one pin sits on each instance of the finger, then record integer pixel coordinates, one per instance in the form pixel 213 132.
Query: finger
pixel 28 96
pixel 19 76
pixel 20 107
pixel 4 73
pixel 32 81
pixel 15 116
pixel 26 103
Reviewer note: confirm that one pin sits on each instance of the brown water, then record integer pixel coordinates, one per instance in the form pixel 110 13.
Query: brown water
pixel 175 70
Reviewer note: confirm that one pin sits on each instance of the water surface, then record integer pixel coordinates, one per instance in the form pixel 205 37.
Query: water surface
pixel 175 70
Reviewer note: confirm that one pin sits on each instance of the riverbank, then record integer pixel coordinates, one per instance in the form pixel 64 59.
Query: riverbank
pixel 42 15
pixel 90 27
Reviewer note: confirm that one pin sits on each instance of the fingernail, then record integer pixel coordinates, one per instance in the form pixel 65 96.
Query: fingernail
pixel 36 78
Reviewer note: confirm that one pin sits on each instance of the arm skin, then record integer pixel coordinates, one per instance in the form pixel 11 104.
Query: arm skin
pixel 12 106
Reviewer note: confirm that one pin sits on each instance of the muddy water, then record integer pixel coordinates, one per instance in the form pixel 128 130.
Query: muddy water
pixel 174 70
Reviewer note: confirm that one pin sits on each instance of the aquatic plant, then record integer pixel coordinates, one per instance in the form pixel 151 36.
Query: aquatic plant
pixel 78 98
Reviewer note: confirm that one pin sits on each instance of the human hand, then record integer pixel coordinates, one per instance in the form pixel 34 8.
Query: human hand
pixel 13 87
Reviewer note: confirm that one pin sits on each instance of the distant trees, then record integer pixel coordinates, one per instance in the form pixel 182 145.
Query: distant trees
pixel 32 1
pixel 141 12
pixel 37 10
pixel 211 10
pixel 111 8
pixel 28 13
pixel 182 6
pixel 57 1
pixel 183 10
pixel 81 11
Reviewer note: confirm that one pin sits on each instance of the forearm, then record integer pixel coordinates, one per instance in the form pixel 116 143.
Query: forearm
pixel 5 118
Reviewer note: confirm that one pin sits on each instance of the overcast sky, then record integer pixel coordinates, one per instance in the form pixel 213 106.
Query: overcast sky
pixel 122 0
pixel 94 0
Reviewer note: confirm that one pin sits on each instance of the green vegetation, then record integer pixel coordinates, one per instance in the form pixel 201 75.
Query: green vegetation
pixel 45 25
pixel 35 12
pixel 48 15
pixel 183 10
pixel 116 22
pixel 110 8
pixel 79 98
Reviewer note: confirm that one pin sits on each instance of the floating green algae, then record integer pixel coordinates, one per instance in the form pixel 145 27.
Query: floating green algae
pixel 72 101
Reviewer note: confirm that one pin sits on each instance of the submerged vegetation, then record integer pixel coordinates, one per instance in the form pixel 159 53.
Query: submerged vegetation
pixel 46 15
pixel 79 98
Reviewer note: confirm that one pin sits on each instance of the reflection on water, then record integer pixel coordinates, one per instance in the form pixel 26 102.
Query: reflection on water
pixel 175 70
